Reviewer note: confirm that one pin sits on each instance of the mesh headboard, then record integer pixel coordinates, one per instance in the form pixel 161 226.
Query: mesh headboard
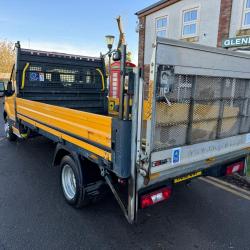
pixel 71 81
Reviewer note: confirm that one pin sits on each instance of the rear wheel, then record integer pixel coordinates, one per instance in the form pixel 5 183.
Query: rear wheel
pixel 72 183
pixel 9 131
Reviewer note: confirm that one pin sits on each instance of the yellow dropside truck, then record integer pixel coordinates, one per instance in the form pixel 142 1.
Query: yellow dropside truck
pixel 191 119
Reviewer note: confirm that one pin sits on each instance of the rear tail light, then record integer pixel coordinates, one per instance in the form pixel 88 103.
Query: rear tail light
pixel 155 197
pixel 236 167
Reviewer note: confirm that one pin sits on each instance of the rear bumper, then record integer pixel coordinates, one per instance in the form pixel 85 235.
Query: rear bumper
pixel 217 167
pixel 210 167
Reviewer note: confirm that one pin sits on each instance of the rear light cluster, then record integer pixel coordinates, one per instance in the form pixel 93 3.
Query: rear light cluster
pixel 236 167
pixel 155 197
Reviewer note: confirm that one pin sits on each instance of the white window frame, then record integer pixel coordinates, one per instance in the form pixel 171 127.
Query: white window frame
pixel 196 22
pixel 162 28
pixel 245 11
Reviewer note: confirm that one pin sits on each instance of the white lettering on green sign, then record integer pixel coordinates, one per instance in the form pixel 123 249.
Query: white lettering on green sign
pixel 236 42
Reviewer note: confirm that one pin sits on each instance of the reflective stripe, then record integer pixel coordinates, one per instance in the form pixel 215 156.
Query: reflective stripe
pixel 102 76
pixel 23 75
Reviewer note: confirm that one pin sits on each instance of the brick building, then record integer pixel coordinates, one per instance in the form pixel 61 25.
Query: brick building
pixel 198 21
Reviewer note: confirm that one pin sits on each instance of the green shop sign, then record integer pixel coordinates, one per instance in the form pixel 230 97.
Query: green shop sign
pixel 236 42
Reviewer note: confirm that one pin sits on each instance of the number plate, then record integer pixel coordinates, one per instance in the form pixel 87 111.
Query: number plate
pixel 187 177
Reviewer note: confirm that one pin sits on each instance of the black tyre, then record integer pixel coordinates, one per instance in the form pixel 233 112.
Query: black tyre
pixel 72 183
pixel 9 131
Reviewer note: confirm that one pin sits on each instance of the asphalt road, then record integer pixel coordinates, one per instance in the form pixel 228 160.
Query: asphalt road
pixel 33 214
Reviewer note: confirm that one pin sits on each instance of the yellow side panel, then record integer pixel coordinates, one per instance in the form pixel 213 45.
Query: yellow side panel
pixel 77 142
pixel 96 128
pixel 9 106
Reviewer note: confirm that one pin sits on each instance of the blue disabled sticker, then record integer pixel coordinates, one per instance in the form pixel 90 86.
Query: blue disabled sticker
pixel 176 155
pixel 34 76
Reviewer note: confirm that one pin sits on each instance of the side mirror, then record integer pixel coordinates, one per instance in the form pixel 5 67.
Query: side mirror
pixel 117 56
pixel 2 89
pixel 9 91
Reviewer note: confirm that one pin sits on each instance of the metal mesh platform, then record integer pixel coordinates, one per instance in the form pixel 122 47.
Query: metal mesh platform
pixel 199 109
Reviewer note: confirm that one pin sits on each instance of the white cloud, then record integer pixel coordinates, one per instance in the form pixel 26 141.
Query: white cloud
pixel 71 48
pixel 61 47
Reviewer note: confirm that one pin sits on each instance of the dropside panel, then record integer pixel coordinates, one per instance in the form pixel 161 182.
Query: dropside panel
pixel 9 107
pixel 71 125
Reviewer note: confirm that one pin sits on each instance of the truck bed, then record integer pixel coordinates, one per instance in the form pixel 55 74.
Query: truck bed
pixel 89 131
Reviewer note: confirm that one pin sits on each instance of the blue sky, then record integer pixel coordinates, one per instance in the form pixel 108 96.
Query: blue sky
pixel 69 26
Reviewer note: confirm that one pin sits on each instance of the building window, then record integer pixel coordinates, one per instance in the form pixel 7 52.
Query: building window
pixel 246 14
pixel 190 23
pixel 161 26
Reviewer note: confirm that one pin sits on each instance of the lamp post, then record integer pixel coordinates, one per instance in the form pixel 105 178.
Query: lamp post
pixel 118 55
pixel 109 41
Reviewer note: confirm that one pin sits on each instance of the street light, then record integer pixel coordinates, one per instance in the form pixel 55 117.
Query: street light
pixel 110 41
pixel 119 54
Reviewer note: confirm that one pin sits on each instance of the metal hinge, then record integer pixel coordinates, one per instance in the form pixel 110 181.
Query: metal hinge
pixel 143 160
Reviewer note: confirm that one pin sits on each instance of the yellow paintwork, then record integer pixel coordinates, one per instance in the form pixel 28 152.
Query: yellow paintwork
pixel 9 107
pixel 61 135
pixel 116 102
pixel 96 128
pixel 154 176
pixel 147 105
pixel 92 127
pixel 16 132
pixel 102 76
pixel 24 74
pixel 187 177
pixel 178 112
pixel 210 160
pixel 112 103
